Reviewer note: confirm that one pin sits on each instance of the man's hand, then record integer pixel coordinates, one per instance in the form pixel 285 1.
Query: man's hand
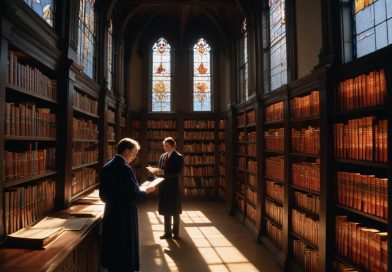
pixel 150 190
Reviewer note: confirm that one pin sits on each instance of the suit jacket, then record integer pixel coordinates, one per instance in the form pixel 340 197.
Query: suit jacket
pixel 169 189
pixel 120 191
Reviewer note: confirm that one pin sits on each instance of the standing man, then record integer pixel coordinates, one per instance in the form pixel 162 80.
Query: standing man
pixel 170 166
pixel 120 191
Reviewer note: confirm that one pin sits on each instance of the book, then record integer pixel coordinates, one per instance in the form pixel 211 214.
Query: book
pixel 34 237
pixel 151 184
pixel 66 224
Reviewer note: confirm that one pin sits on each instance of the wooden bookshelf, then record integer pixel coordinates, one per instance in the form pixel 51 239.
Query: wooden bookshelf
pixel 273 172
pixel 135 133
pixel 111 129
pixel 361 179
pixel 221 159
pixel 30 138
pixel 85 135
pixel 199 145
pixel 246 183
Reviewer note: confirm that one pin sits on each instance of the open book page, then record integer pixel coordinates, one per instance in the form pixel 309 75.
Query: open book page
pixel 67 224
pixel 153 170
pixel 150 184
pixel 85 211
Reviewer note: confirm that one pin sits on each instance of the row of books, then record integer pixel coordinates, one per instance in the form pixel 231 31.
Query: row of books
pixel 29 78
pixel 306 175
pixel 160 134
pixel 85 103
pixel 199 135
pixel 157 124
pixel 199 124
pixel 111 150
pixel 341 267
pixel 246 118
pixel 306 202
pixel 362 139
pixel 222 147
pixel 111 116
pixel 84 156
pixel 221 135
pixel 362 91
pixel 199 147
pixel 274 233
pixel 205 159
pixel 222 157
pixel 306 257
pixel 111 135
pixel 274 167
pixel 366 247
pixel 252 180
pixel 221 170
pixel 250 213
pixel 275 191
pixel 26 119
pixel 222 182
pixel 199 171
pixel 153 156
pixel 135 124
pixel 305 227
pixel 25 205
pixel 240 204
pixel 251 196
pixel 274 211
pixel 83 179
pixel 222 124
pixel 274 112
pixel 252 150
pixel 199 182
pixel 306 140
pixel 306 106
pixel 208 192
pixel 84 129
pixel 274 139
pixel 363 192
pixel 248 164
pixel 155 145
pixel 123 121
pixel 29 163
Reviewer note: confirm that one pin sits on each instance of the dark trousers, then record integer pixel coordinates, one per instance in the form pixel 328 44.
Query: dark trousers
pixel 168 222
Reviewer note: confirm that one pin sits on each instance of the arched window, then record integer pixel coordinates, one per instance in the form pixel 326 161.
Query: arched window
pixel 277 46
pixel 86 36
pixel 161 76
pixel 43 8
pixel 367 27
pixel 243 61
pixel 110 56
pixel 201 76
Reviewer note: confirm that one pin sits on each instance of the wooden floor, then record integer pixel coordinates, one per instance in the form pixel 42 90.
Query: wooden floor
pixel 210 241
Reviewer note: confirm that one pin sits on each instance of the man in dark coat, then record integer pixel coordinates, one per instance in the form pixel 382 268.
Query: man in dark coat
pixel 171 164
pixel 120 191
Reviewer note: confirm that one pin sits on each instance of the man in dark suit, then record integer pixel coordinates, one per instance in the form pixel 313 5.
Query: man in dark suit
pixel 170 166
pixel 120 191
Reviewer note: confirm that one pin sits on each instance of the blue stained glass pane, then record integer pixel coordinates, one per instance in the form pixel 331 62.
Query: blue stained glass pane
pixel 381 35
pixel 364 19
pixel 389 8
pixel 389 24
pixel 43 8
pixel 366 43
pixel 380 11
pixel 201 76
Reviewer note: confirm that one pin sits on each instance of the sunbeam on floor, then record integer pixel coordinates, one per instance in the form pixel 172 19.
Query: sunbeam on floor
pixel 211 240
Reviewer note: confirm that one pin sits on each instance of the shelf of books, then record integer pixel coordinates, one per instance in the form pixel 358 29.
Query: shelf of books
pixel 199 179
pixel 85 143
pixel 222 159
pixel 304 191
pixel 110 132
pixel 30 140
pixel 135 134
pixel 123 133
pixel 246 154
pixel 360 133
pixel 274 175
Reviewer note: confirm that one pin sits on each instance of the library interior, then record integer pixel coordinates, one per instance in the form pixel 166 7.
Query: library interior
pixel 279 108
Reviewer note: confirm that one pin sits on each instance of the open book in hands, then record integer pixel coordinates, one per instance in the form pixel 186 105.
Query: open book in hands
pixel 150 184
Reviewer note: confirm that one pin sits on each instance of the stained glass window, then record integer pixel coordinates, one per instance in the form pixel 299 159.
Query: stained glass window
pixel 161 76
pixel 201 76
pixel 243 73
pixel 86 36
pixel 277 50
pixel 110 56
pixel 372 24
pixel 43 8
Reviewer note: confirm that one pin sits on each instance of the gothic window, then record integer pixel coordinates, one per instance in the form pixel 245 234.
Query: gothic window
pixel 110 56
pixel 86 36
pixel 43 8
pixel 201 76
pixel 243 61
pixel 161 76
pixel 277 46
